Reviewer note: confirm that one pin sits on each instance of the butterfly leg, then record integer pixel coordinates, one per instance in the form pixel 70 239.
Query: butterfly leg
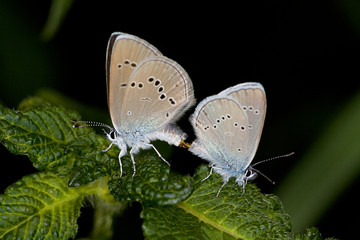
pixel 225 182
pixel 243 185
pixel 121 154
pixel 211 170
pixel 159 154
pixel 108 147
pixel 132 151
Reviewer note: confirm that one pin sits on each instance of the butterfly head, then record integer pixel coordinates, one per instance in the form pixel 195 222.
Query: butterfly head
pixel 248 175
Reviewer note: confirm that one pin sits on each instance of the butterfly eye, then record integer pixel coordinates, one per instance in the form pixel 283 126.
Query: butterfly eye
pixel 112 134
pixel 248 173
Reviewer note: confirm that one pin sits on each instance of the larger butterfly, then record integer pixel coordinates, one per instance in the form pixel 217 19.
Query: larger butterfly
pixel 146 93
pixel 228 127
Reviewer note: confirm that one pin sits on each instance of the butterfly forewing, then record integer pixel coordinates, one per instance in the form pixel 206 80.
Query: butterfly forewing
pixel 125 52
pixel 158 92
pixel 220 127
pixel 251 98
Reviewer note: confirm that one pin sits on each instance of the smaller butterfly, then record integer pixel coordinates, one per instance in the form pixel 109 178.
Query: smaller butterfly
pixel 146 92
pixel 228 128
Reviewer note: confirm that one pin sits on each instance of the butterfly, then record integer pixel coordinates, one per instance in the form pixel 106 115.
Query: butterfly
pixel 146 92
pixel 228 128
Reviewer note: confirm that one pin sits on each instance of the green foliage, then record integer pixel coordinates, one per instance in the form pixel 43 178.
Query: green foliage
pixel 44 133
pixel 331 165
pixel 58 11
pixel 39 206
pixel 153 182
pixel 310 234
pixel 234 214
pixel 73 167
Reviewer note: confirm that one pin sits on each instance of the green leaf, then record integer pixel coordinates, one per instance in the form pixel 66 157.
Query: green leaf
pixel 231 215
pixel 32 102
pixel 310 234
pixel 104 213
pixel 106 208
pixel 153 182
pixel 45 134
pixel 39 206
pixel 173 209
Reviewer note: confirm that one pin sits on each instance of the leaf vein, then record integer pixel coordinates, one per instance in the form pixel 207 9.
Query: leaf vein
pixel 205 219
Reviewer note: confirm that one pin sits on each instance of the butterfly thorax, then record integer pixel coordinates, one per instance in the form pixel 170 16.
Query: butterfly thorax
pixel 242 174
pixel 127 139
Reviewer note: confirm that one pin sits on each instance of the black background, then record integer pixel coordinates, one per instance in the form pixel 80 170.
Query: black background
pixel 305 53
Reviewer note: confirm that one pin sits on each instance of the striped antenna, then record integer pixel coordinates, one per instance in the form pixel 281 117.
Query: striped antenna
pixel 273 158
pixel 266 160
pixel 89 124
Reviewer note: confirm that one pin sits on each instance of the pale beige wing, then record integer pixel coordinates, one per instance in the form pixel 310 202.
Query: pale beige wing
pixel 124 53
pixel 252 99
pixel 220 127
pixel 158 93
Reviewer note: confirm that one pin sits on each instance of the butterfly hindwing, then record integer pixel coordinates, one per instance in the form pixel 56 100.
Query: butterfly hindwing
pixel 158 92
pixel 228 127
pixel 219 124
pixel 251 98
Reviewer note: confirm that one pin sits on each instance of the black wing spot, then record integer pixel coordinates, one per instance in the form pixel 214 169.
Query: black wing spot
pixel 162 96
